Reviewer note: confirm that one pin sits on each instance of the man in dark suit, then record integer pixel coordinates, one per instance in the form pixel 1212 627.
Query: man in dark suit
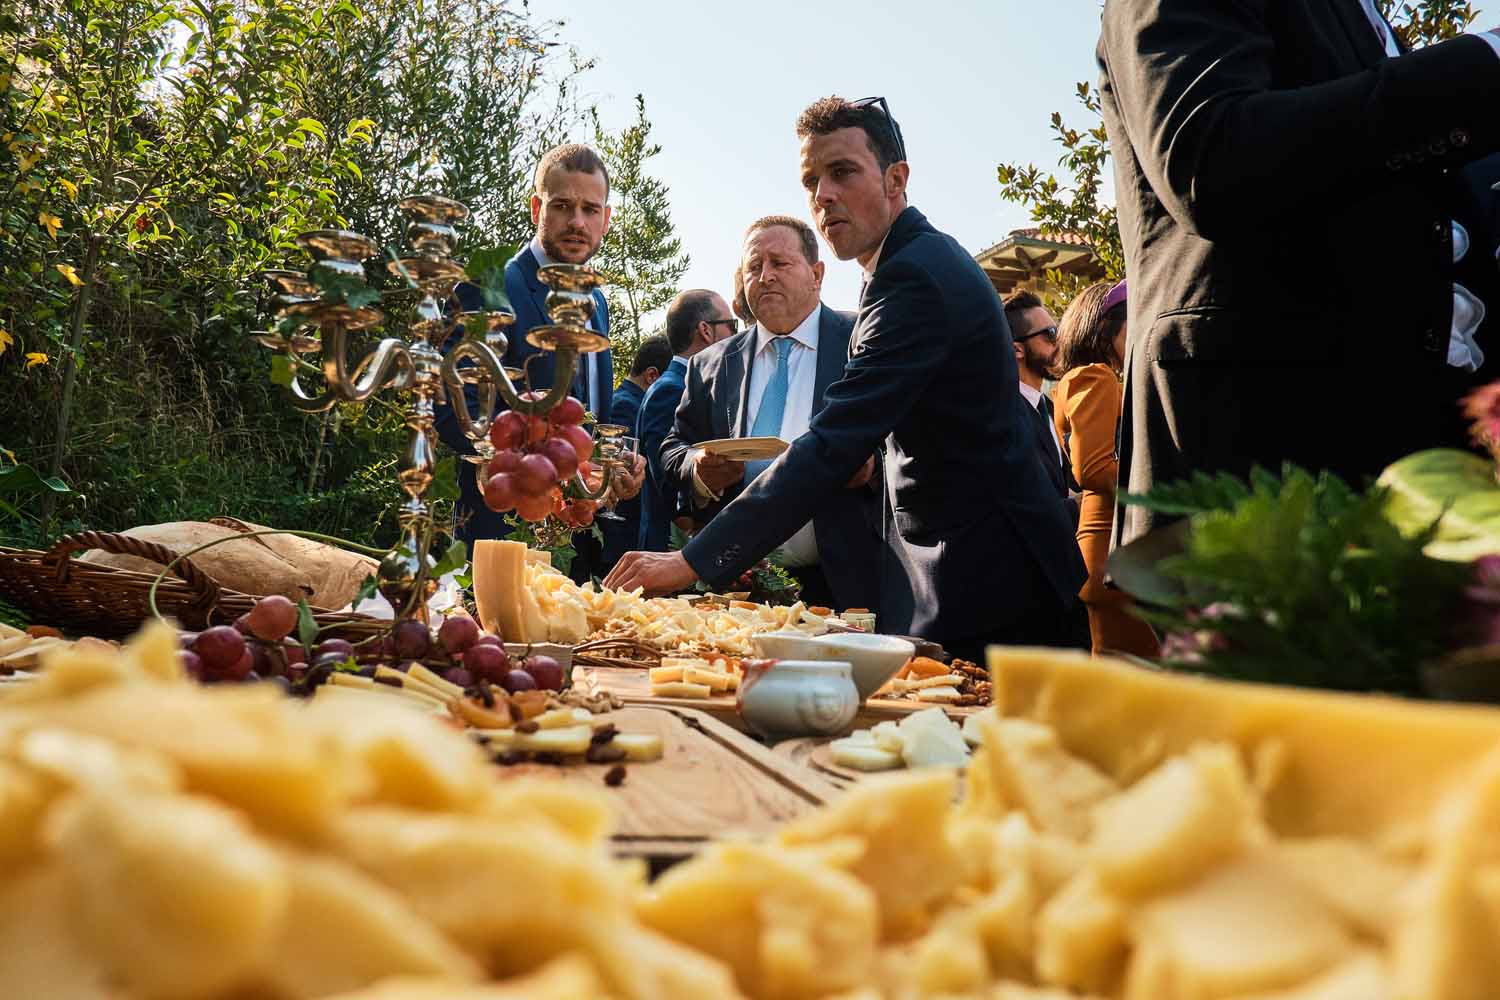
pixel 1283 176
pixel 651 361
pixel 731 393
pixel 1034 333
pixel 696 319
pixel 978 549
pixel 570 208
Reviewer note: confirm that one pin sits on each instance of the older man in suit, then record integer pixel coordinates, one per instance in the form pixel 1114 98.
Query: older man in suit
pixel 978 549
pixel 1284 182
pixel 697 319
pixel 771 381
pixel 570 209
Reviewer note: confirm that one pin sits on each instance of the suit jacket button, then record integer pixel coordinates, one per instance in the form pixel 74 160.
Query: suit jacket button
pixel 1431 341
pixel 1459 138
pixel 1442 232
pixel 1395 162
pixel 1438 148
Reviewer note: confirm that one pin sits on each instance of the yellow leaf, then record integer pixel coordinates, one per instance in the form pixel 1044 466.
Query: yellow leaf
pixel 52 222
pixel 5 340
pixel 66 270
pixel 35 358
pixel 69 187
pixel 29 160
pixel 9 454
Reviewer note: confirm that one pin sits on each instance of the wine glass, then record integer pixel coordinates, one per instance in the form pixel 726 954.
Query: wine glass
pixel 610 438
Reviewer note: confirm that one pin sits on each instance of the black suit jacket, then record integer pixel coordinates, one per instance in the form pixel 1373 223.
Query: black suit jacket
pixel 659 493
pixel 1285 203
pixel 528 298
pixel 1059 471
pixel 977 545
pixel 715 401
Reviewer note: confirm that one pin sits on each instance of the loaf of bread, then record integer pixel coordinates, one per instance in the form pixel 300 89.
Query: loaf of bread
pixel 335 574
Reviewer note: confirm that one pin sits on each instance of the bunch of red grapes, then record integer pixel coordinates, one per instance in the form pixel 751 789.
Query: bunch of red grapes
pixel 258 646
pixel 534 458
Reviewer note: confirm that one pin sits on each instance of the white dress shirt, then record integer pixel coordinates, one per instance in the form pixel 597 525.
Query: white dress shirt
pixel 802 372
pixel 1033 399
pixel 590 362
pixel 1468 311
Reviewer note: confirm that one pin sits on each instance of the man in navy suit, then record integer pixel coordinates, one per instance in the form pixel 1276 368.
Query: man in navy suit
pixel 978 549
pixel 1035 334
pixel 730 394
pixel 696 319
pixel 570 208
pixel 651 361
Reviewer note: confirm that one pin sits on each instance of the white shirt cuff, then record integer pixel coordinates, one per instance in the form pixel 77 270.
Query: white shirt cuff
pixel 1492 38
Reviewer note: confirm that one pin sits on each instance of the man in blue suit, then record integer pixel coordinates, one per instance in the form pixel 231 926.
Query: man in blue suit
pixel 977 548
pixel 731 392
pixel 651 361
pixel 696 319
pixel 570 209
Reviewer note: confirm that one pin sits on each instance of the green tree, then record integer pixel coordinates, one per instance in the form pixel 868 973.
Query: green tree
pixel 1074 204
pixel 642 256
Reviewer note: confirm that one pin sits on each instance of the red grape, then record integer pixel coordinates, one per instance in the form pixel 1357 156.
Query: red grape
pixel 501 492
pixel 220 648
pixel 562 455
pixel 518 680
pixel 261 660
pixel 272 618
pixel 242 624
pixel 584 511
pixel 185 640
pixel 537 429
pixel 342 647
pixel 487 662
pixel 412 640
pixel 508 430
pixel 581 440
pixel 489 639
pixel 546 671
pixel 568 412
pixel 240 669
pixel 294 652
pixel 536 474
pixel 192 664
pixel 459 676
pixel 458 633
pixel 534 508
pixel 504 461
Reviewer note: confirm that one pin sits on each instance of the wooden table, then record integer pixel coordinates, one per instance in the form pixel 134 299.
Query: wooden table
pixel 712 780
pixel 633 687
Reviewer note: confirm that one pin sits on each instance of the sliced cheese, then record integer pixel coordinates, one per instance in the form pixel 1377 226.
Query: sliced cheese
pixel 665 674
pixel 944 695
pixel 862 756
pixel 681 689
pixel 639 747
pixel 715 680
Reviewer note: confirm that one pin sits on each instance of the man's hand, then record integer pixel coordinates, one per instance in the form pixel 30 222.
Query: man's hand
pixel 717 472
pixel 656 573
pixel 864 475
pixel 627 483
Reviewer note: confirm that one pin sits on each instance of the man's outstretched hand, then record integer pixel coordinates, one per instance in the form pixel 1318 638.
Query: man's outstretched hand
pixel 656 573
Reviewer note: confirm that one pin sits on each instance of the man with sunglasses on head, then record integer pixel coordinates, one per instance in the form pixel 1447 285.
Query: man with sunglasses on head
pixel 977 548
pixel 771 381
pixel 697 319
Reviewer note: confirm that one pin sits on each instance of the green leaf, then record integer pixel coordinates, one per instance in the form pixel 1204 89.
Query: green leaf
pixel 464 580
pixel 455 558
pixel 311 125
pixel 23 480
pixel 307 627
pixel 1455 489
pixel 283 369
pixel 368 588
pixel 486 268
pixel 1202 492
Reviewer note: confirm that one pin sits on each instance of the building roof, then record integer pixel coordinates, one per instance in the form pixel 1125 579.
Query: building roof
pixel 1025 256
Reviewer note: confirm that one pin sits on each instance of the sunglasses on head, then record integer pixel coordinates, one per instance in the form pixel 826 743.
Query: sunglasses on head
pixel 885 109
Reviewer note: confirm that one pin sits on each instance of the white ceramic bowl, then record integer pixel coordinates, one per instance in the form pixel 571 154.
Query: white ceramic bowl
pixel 873 659
pixel 800 698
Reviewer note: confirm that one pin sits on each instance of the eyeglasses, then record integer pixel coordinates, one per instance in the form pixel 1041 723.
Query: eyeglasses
pixel 733 324
pixel 1050 332
pixel 885 109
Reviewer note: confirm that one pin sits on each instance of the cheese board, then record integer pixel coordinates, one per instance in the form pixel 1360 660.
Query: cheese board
pixel 712 780
pixel 633 687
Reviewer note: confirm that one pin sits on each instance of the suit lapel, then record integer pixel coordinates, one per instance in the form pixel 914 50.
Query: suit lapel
pixel 744 358
pixel 833 352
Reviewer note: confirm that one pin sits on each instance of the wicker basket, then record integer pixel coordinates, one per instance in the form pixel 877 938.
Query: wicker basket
pixel 87 598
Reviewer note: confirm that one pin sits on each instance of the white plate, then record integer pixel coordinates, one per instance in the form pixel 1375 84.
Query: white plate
pixel 751 449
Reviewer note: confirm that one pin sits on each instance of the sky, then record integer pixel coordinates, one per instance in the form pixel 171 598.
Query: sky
pixel 972 83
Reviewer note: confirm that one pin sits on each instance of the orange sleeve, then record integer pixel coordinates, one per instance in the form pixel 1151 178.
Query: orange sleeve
pixel 1092 413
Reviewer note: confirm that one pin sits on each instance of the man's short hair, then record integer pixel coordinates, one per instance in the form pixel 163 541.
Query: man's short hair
pixel 654 352
pixel 685 313
pixel 573 157
pixel 829 114
pixel 803 230
pixel 1018 302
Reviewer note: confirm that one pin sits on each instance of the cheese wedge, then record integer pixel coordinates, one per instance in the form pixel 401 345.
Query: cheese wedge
pixel 499 581
pixel 942 695
pixel 681 689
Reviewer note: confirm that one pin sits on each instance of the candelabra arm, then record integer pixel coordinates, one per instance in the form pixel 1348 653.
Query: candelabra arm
pixel 606 477
pixel 565 367
pixel 493 373
pixel 371 374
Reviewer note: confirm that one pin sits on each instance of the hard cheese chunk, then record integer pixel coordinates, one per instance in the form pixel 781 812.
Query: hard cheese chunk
pixel 499 583
pixel 1186 816
pixel 1081 936
pixel 1245 927
pixel 1021 763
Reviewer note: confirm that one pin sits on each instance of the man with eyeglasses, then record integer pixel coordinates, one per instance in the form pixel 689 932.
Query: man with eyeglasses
pixel 977 548
pixel 697 319
pixel 1034 332
pixel 771 381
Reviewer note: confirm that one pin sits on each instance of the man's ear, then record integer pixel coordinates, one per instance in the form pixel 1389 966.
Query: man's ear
pixel 895 179
pixel 650 375
pixel 818 270
pixel 536 210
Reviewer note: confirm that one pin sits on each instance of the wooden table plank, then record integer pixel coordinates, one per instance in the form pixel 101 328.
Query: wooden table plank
pixel 712 780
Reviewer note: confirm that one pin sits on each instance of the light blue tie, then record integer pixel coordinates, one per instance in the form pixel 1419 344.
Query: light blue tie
pixel 772 405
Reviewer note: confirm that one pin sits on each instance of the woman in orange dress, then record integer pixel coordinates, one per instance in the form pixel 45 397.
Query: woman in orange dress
pixel 1086 404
